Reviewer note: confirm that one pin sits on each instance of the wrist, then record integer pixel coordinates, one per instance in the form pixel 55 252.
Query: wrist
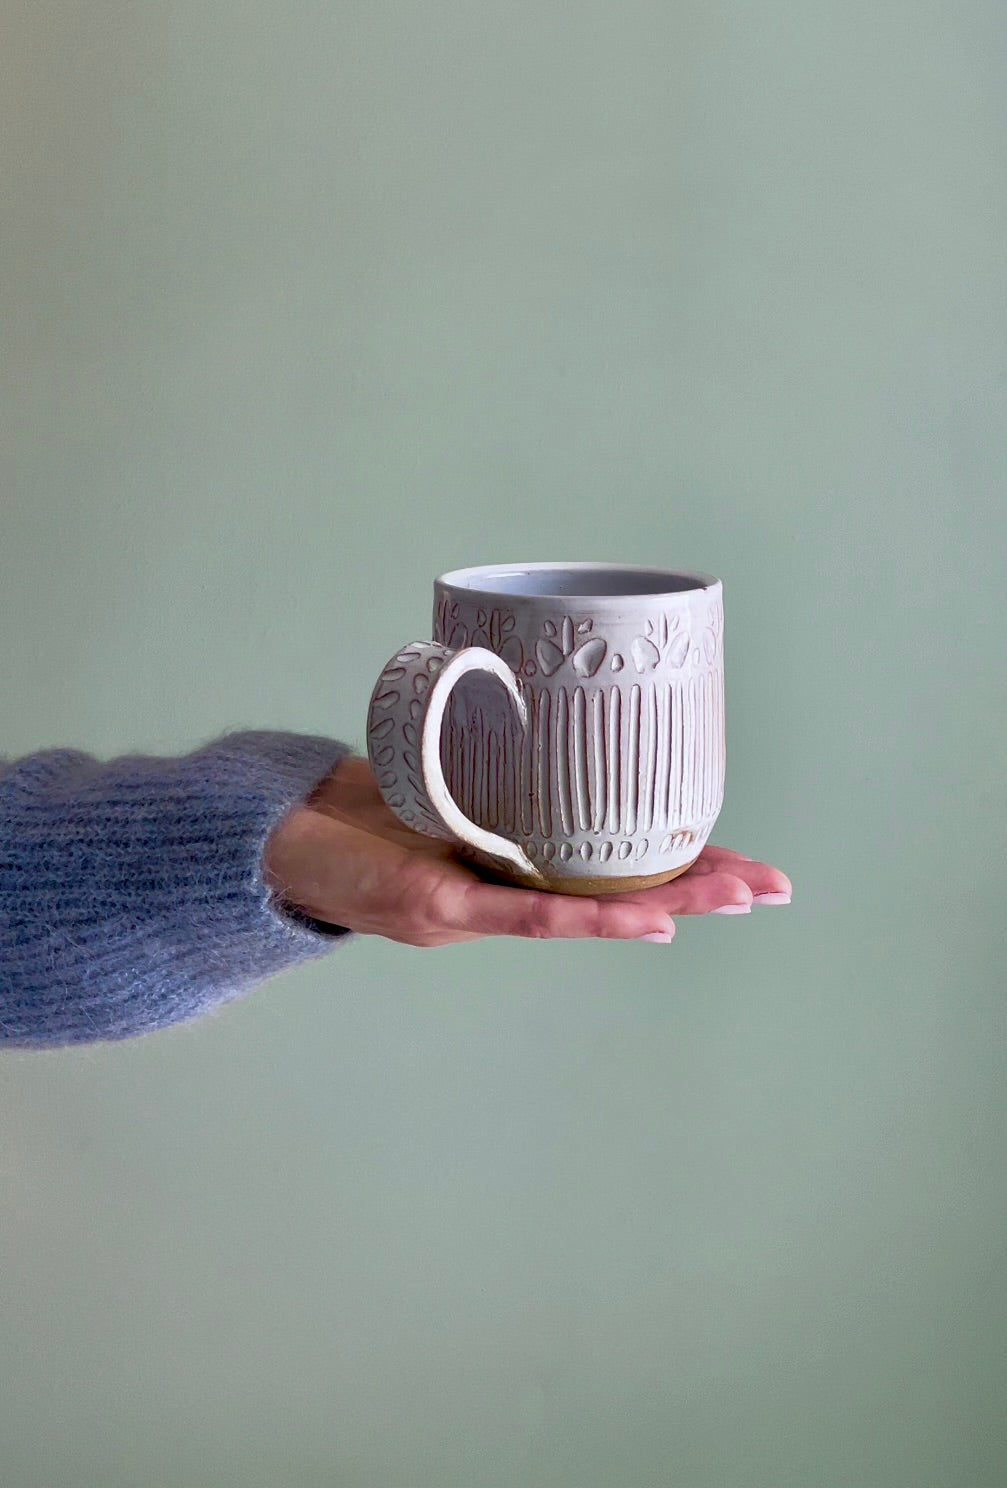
pixel 284 857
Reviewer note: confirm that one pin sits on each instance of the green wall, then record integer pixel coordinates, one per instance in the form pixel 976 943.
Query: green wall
pixel 305 303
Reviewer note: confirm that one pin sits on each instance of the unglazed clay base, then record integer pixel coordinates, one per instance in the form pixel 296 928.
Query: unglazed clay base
pixel 591 888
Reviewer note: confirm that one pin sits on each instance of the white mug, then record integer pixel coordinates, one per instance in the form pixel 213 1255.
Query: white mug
pixel 564 727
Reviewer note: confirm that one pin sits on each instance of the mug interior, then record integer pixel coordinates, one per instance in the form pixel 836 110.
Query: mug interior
pixel 575 580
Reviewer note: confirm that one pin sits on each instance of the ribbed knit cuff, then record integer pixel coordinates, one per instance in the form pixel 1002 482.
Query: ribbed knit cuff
pixel 282 769
pixel 131 891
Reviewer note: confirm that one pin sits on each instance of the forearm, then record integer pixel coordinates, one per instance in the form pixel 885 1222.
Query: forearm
pixel 131 891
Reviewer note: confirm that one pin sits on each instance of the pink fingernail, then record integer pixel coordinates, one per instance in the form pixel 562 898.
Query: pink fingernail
pixel 658 937
pixel 772 898
pixel 733 909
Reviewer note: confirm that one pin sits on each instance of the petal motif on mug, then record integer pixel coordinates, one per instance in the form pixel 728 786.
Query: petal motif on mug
pixel 645 654
pixel 589 657
pixel 550 657
pixel 512 652
pixel 679 649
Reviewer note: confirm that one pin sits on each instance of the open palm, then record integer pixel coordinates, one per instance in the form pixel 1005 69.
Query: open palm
pixel 345 858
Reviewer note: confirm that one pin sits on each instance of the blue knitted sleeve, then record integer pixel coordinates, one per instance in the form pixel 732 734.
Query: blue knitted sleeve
pixel 131 894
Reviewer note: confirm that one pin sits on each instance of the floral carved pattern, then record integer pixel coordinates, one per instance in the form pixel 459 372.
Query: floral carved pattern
pixel 667 642
pixel 559 643
pixel 493 629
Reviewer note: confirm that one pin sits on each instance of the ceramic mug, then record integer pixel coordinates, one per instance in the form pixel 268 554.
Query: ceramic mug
pixel 565 726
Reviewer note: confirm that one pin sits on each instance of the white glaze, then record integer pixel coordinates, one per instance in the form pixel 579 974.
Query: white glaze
pixel 595 750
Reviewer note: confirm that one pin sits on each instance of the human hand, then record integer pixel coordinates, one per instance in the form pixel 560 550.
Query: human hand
pixel 344 857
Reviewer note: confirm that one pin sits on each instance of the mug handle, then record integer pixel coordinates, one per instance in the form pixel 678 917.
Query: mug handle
pixel 404 742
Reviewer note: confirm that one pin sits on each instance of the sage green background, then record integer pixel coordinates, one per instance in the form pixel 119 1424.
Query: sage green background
pixel 305 303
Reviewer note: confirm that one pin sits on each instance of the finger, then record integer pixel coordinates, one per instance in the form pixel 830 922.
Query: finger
pixel 761 878
pixel 699 894
pixel 492 909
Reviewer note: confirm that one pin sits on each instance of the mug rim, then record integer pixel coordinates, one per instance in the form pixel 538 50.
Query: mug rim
pixel 461 579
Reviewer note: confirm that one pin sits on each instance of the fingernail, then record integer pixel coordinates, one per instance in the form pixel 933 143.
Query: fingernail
pixel 658 937
pixel 772 899
pixel 733 909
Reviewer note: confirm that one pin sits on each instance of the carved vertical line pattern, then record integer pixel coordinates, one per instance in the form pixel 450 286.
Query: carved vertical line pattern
pixel 624 763
pixel 578 723
pixel 693 752
pixel 686 728
pixel 562 740
pixel 708 764
pixel 459 776
pixel 448 755
pixel 463 770
pixel 698 788
pixel 474 769
pixel 708 737
pixel 455 778
pixel 614 757
pixel 664 762
pixel 526 770
pixel 479 769
pixel 508 785
pixel 632 760
pixel 470 805
pixel 660 744
pixel 707 741
pixel 650 767
pixel 522 826
pixel 544 763
pixel 503 808
pixel 470 771
pixel 509 808
pixel 704 743
pixel 675 707
pixel 711 804
pixel 491 755
pixel 696 750
pixel 688 748
pixel 505 793
pixel 484 771
pixel 721 737
pixel 697 747
pixel 598 756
